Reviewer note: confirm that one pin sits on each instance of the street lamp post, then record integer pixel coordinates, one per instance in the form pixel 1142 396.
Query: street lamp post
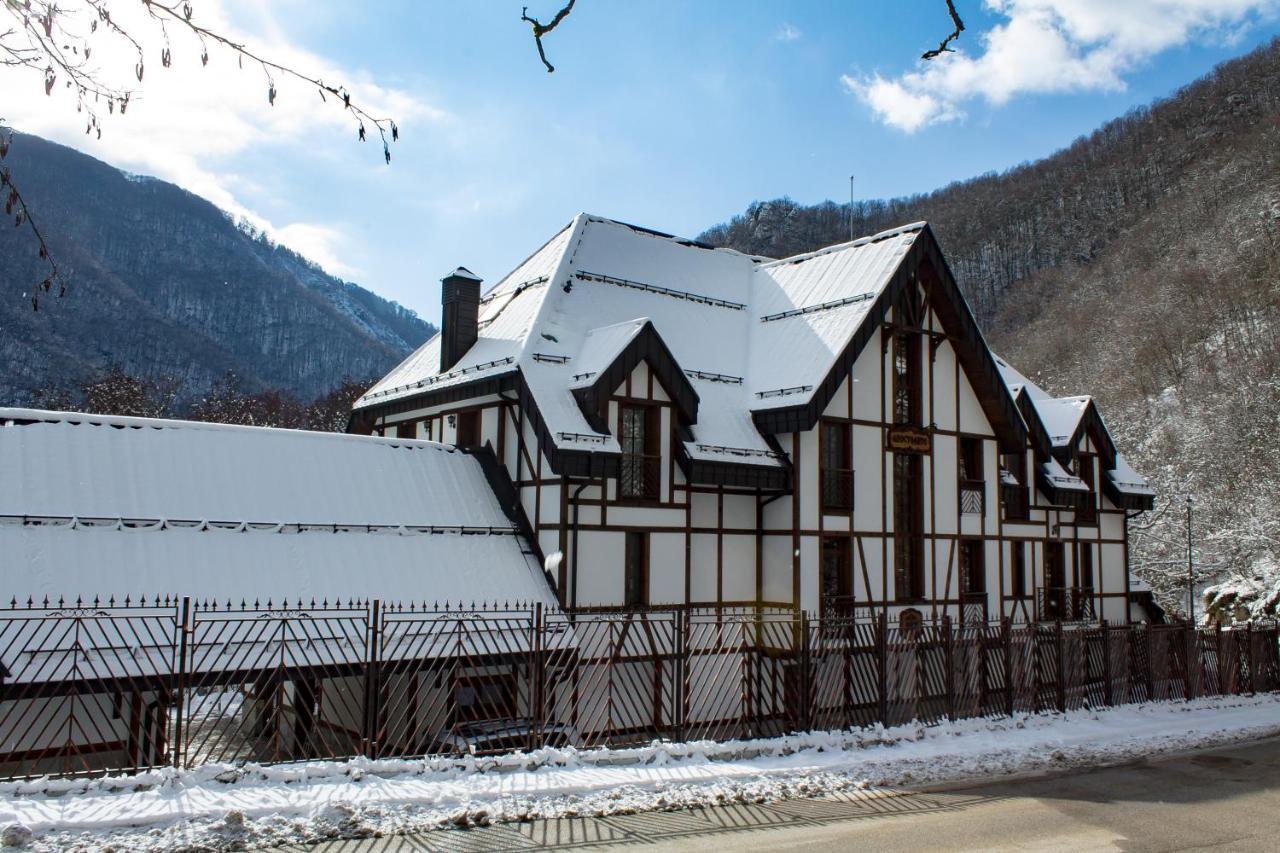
pixel 1191 585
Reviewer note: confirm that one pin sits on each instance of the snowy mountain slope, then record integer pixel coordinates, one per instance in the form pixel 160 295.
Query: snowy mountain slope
pixel 1141 265
pixel 163 284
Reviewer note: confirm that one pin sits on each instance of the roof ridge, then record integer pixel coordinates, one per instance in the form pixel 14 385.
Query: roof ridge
pixel 675 238
pixel 850 244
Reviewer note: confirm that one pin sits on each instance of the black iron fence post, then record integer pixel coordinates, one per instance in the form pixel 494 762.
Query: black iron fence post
pixel 805 686
pixel 1006 641
pixel 372 692
pixel 1107 686
pixel 882 668
pixel 1248 651
pixel 1189 663
pixel 1062 667
pixel 537 678
pixel 949 665
pixel 180 680
pixel 681 709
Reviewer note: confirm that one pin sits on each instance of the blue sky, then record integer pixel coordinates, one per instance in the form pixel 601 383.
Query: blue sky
pixel 671 115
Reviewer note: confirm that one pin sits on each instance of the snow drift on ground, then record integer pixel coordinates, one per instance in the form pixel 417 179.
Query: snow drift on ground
pixel 224 808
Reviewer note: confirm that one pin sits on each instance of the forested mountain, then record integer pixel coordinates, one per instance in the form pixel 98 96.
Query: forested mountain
pixel 1141 265
pixel 163 286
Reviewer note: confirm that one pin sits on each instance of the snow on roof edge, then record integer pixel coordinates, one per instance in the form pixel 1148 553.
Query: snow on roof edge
pixel 90 419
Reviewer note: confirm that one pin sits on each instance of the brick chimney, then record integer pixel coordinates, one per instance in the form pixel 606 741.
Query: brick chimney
pixel 460 298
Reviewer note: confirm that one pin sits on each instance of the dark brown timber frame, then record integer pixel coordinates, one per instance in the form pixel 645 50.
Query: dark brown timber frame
pixel 923 262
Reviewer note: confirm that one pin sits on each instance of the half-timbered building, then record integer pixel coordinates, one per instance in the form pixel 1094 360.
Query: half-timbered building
pixel 682 424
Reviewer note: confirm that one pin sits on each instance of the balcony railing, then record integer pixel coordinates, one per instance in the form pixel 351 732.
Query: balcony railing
pixel 973 607
pixel 973 497
pixel 837 489
pixel 1064 603
pixel 1017 502
pixel 640 476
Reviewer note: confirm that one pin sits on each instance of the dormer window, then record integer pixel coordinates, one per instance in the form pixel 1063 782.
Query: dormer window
pixel 641 470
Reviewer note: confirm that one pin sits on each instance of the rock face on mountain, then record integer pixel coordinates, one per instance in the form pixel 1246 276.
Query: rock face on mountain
pixel 163 284
pixel 1140 264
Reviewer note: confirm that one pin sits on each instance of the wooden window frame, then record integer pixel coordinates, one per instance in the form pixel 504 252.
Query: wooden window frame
pixel 650 458
pixel 1086 471
pixel 469 416
pixel 635 570
pixel 836 480
pixel 971 561
pixel 844 576
pixel 1018 570
pixel 971 470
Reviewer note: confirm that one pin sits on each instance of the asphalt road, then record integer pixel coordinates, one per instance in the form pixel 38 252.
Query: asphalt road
pixel 1218 799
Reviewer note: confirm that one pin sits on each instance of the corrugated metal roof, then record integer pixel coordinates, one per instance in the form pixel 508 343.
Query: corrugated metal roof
pixel 74 465
pixel 96 505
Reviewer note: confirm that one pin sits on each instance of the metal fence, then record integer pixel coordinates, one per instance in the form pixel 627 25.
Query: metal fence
pixel 91 687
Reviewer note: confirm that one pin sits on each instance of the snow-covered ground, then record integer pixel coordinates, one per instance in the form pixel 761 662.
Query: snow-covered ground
pixel 220 807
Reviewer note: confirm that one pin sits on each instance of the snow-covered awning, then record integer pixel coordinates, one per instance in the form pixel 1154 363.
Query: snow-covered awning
pixel 1127 488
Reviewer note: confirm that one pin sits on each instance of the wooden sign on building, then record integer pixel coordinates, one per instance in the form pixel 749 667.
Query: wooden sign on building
pixel 909 439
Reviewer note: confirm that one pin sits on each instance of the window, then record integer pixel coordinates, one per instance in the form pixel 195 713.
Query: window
pixel 837 466
pixel 1015 495
pixel 906 358
pixel 1088 512
pixel 908 527
pixel 468 429
pixel 908 470
pixel 973 571
pixel 973 488
pixel 1018 570
pixel 406 429
pixel 1085 566
pixel 1053 596
pixel 641 468
pixel 1015 464
pixel 636 580
pixel 837 568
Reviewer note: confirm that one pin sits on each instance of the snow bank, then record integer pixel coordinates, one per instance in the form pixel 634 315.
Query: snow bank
pixel 222 807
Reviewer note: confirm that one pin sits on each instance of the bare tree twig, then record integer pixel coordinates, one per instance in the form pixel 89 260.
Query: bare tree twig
pixel 540 29
pixel 386 127
pixel 945 46
pixel 54 41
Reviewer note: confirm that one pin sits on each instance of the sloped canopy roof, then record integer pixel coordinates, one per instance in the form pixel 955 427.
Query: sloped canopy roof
pixel 96 505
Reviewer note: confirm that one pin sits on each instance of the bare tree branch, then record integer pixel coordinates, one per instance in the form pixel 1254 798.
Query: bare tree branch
pixel 55 41
pixel 540 29
pixel 16 207
pixel 945 46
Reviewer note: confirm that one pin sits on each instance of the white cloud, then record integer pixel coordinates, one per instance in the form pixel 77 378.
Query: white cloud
pixel 194 125
pixel 787 32
pixel 1051 46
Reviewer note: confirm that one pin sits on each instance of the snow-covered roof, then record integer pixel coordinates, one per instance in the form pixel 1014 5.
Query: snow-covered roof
pixel 753 335
pixel 1061 416
pixel 1060 478
pixel 97 505
pixel 1127 480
